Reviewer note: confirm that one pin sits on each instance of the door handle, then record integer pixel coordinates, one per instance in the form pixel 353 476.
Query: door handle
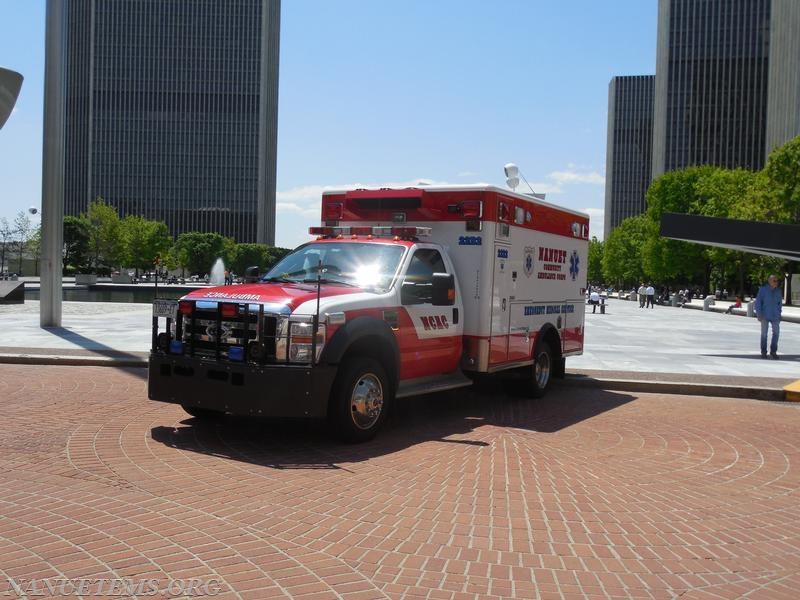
pixel 455 316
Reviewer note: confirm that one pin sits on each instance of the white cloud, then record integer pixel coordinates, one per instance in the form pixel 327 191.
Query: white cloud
pixel 574 176
pixel 542 187
pixel 596 222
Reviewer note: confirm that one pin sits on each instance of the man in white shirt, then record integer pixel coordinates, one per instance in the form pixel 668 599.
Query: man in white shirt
pixel 651 295
pixel 594 300
pixel 642 291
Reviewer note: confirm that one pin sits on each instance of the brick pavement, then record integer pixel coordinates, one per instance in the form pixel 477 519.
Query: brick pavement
pixel 471 494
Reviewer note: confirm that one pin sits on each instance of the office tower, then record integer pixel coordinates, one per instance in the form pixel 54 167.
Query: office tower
pixel 727 82
pixel 171 111
pixel 629 147
pixel 727 90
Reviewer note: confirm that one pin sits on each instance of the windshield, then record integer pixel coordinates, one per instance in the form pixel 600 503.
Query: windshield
pixel 371 266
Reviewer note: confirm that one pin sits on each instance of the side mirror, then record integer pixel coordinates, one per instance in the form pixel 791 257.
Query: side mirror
pixel 252 274
pixel 444 289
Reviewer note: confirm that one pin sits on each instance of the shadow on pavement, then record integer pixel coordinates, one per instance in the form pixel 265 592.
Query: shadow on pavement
pixel 467 417
pixel 98 348
pixel 786 357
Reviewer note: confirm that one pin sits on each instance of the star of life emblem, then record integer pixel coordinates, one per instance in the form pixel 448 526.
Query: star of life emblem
pixel 574 264
pixel 527 263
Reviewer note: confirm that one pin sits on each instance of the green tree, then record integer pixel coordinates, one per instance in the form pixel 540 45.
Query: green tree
pixel 196 252
pixel 782 175
pixel 142 241
pixel 595 272
pixel 274 254
pixel 6 236
pixel 248 255
pixel 666 260
pixel 76 243
pixel 35 247
pixel 22 231
pixel 622 252
pixel 105 239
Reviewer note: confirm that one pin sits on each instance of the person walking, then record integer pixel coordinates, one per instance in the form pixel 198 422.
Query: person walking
pixel 651 295
pixel 768 310
pixel 642 291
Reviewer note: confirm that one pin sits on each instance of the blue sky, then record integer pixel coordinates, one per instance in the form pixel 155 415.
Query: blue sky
pixel 382 92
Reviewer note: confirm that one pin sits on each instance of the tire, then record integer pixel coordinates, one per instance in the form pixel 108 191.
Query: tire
pixel 542 370
pixel 360 399
pixel 203 414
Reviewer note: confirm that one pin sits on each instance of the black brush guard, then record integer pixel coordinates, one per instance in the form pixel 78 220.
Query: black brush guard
pixel 203 376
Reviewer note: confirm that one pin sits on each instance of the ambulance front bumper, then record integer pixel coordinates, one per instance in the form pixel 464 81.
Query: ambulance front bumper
pixel 280 391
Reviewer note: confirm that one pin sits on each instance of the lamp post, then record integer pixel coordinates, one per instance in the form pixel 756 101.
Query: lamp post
pixel 53 167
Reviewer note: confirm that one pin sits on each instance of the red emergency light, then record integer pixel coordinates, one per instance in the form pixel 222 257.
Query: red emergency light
pixel 229 310
pixel 472 209
pixel 186 307
pixel 332 211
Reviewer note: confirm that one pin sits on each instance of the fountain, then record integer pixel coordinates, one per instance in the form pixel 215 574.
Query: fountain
pixel 217 275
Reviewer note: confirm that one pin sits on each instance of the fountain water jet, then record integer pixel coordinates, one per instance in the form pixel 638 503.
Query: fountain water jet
pixel 217 275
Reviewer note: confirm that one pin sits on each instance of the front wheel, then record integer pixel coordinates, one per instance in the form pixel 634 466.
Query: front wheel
pixel 360 399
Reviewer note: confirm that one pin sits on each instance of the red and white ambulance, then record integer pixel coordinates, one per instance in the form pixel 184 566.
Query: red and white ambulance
pixel 403 292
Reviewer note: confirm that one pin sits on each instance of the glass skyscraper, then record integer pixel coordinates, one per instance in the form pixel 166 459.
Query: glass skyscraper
pixel 727 91
pixel 171 111
pixel 629 147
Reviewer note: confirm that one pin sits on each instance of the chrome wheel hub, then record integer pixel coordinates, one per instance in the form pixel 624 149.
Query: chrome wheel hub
pixel 541 370
pixel 366 401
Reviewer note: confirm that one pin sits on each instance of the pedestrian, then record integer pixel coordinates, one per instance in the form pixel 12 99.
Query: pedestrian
pixel 642 291
pixel 768 310
pixel 651 294
pixel 594 300
pixel 737 304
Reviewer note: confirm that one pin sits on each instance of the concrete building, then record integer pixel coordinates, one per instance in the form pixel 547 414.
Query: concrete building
pixel 171 111
pixel 727 92
pixel 629 147
pixel 727 82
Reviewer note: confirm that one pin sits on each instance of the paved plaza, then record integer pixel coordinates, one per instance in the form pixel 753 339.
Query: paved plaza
pixel 680 340
pixel 626 338
pixel 474 494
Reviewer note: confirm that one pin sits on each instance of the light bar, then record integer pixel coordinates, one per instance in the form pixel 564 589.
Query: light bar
pixel 399 232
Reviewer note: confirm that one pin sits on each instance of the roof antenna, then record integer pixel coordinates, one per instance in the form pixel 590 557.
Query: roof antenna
pixel 512 177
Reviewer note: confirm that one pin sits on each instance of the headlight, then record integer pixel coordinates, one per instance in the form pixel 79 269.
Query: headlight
pixel 300 340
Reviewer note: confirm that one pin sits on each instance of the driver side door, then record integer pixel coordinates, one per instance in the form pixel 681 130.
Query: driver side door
pixel 430 334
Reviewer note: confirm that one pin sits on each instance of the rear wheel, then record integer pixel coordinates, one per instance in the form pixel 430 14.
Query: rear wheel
pixel 541 371
pixel 204 414
pixel 360 399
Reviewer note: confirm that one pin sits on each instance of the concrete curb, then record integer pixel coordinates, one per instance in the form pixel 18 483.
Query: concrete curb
pixel 73 361
pixel 620 385
pixel 677 387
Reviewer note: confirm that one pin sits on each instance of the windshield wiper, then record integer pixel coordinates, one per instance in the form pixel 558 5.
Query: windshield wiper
pixel 324 280
pixel 275 279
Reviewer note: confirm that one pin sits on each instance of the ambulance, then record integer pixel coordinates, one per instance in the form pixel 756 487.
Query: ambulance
pixel 401 292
